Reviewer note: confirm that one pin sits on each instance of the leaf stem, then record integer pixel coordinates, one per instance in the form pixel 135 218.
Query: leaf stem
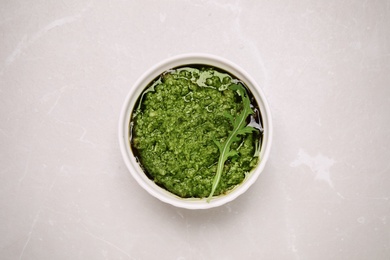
pixel 239 128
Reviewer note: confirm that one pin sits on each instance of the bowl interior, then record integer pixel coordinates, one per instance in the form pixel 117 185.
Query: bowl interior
pixel 124 130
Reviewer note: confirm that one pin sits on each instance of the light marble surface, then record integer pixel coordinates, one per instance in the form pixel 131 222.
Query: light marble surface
pixel 66 66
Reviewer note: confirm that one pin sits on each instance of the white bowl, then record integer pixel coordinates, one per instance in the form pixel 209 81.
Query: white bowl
pixel 124 130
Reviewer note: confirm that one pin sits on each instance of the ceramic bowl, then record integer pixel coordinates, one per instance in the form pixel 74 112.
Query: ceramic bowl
pixel 124 129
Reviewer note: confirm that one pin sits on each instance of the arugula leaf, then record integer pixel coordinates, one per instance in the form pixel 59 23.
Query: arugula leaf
pixel 239 128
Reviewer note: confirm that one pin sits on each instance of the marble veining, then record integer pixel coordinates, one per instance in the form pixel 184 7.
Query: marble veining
pixel 320 165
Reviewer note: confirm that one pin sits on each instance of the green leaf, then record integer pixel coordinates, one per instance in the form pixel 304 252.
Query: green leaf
pixel 229 116
pixel 239 128
pixel 231 153
pixel 246 130
pixel 218 144
pixel 257 148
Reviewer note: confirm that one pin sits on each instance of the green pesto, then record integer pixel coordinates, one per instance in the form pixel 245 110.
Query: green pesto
pixel 179 120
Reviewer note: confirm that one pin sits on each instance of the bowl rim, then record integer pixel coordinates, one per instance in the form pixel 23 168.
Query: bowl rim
pixel 127 109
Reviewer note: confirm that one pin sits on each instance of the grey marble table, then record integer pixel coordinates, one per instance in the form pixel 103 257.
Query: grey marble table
pixel 66 66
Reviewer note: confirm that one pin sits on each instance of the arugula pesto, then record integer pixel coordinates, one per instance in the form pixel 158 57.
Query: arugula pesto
pixel 190 131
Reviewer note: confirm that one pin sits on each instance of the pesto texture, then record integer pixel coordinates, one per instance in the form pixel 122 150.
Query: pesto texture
pixel 190 132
